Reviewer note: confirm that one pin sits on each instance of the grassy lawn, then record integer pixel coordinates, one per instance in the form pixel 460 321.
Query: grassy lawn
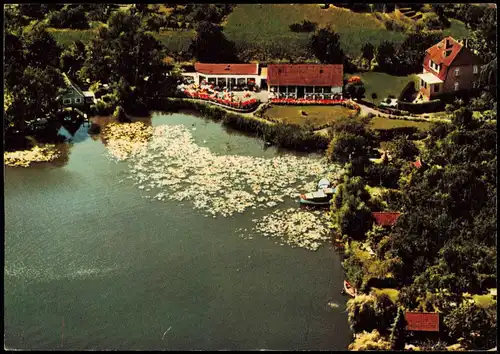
pixel 383 84
pixel 65 37
pixel 266 26
pixel 380 123
pixel 318 116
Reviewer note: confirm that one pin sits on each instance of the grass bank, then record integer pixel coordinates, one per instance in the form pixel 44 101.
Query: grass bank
pixel 382 123
pixel 383 84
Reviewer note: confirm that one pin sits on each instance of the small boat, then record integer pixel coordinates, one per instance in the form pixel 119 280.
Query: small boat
pixel 349 289
pixel 319 198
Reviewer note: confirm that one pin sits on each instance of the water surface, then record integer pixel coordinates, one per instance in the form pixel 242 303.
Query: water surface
pixel 91 264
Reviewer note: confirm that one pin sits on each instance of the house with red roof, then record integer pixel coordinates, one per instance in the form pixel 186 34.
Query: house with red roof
pixel 310 81
pixel 448 67
pixel 226 75
pixel 422 321
pixel 385 218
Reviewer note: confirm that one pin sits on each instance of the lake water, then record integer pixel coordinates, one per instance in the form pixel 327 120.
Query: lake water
pixel 91 264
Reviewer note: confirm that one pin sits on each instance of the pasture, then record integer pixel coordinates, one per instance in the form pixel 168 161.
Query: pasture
pixel 266 26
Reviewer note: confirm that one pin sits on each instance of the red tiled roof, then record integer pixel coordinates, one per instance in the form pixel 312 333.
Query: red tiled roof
pixel 422 321
pixel 305 74
pixel 385 218
pixel 227 69
pixel 436 52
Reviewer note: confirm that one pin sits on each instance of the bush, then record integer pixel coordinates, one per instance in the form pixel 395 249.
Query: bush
pixel 379 174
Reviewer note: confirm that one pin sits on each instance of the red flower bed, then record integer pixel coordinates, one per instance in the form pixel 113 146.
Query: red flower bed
pixel 302 101
pixel 203 96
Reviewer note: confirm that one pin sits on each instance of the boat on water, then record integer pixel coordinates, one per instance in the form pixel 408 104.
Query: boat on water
pixel 349 289
pixel 318 198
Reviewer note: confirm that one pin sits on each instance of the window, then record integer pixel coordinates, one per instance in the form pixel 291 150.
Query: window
pixel 318 89
pixel 456 86
pixel 308 89
pixel 457 71
pixel 78 100
pixel 436 88
pixel 421 83
pixel 475 69
pixel 67 101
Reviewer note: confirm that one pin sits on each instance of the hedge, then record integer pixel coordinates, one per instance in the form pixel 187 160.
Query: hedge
pixel 424 107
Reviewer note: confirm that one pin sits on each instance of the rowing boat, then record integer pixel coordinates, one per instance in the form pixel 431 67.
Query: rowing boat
pixel 349 289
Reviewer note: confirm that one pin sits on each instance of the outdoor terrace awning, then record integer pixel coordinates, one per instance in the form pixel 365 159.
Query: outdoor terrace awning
pixel 430 78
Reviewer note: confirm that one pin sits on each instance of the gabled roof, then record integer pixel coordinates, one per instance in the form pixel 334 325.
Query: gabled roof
pixel 384 218
pixel 437 51
pixel 305 74
pixel 70 84
pixel 227 69
pixel 422 321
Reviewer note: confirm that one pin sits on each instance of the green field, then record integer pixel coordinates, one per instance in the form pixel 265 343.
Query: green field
pixel 383 84
pixel 380 123
pixel 267 26
pixel 175 41
pixel 317 116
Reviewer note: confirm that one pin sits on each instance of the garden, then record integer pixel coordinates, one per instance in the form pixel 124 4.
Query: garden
pixel 383 85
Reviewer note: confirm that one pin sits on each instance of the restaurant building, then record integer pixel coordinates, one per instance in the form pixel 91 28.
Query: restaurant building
pixel 309 81
pixel 226 75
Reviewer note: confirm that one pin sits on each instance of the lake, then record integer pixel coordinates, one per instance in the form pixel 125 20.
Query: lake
pixel 92 264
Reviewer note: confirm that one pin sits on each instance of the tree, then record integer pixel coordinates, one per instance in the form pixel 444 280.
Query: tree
pixel 355 90
pixel 462 118
pixel 346 146
pixel 211 46
pixel 386 56
pixel 129 59
pixel 404 149
pixel 70 16
pixel 374 97
pixel 73 58
pixel 398 329
pixel 41 47
pixel 325 45
pixel 368 51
